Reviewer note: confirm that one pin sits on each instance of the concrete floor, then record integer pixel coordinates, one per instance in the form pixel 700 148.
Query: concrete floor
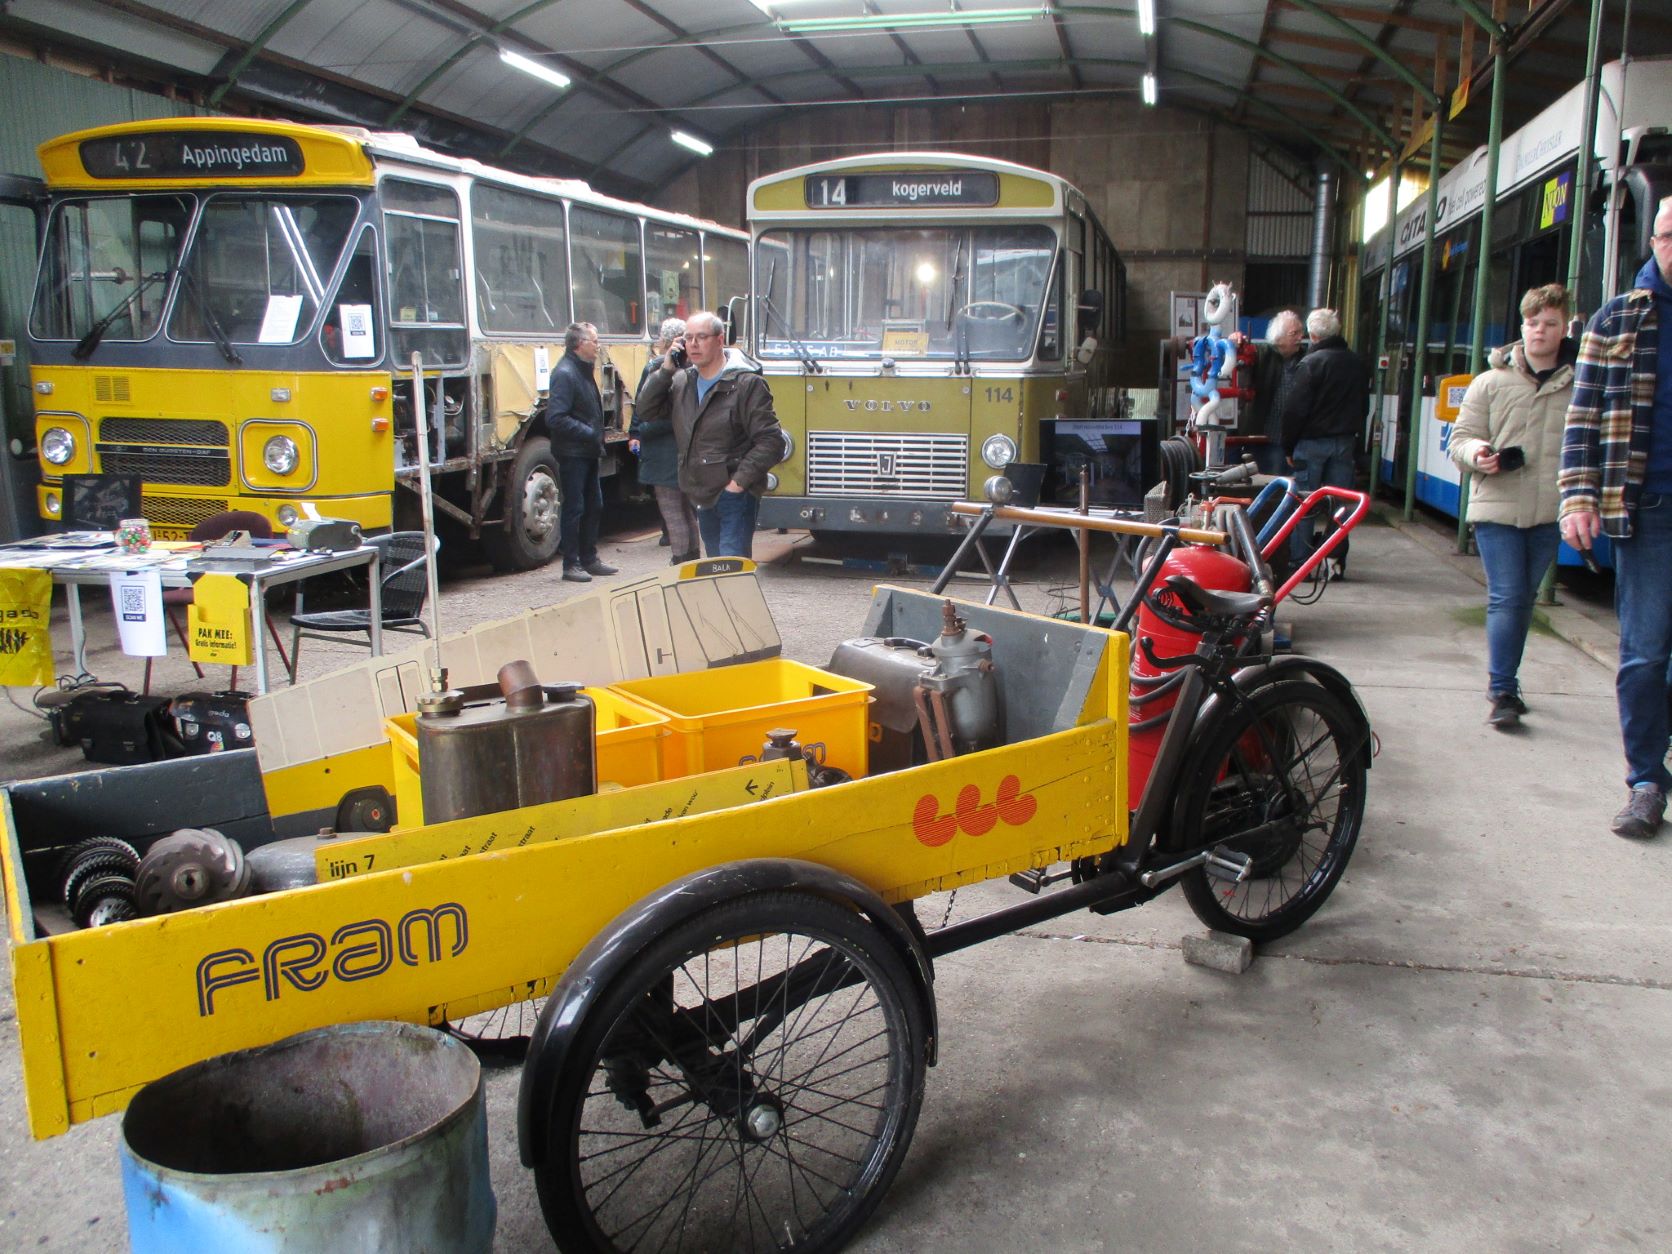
pixel 1463 1050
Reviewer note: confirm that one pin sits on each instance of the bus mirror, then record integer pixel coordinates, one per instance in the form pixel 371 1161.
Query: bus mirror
pixel 1086 351
pixel 1090 310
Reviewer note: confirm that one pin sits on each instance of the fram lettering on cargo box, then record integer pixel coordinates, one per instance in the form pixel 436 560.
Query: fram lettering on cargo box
pixel 360 950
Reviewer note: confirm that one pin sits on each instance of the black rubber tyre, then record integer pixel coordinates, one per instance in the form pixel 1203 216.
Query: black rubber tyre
pixel 712 1105
pixel 533 498
pixel 1281 779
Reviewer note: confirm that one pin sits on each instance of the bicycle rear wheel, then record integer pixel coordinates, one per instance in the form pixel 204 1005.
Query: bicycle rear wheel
pixel 1281 780
pixel 751 1081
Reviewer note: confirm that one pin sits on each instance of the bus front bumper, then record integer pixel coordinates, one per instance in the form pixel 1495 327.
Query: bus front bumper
pixel 863 513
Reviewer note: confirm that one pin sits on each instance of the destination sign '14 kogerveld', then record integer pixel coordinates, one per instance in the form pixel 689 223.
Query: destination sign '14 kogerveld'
pixel 190 155
pixel 905 189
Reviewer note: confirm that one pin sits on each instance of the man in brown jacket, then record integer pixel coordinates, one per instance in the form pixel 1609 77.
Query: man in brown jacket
pixel 725 428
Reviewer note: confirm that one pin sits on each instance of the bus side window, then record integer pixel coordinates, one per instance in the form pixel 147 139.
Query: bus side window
pixel 354 304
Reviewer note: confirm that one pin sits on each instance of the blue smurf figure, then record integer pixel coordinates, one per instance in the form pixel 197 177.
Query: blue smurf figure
pixel 1213 357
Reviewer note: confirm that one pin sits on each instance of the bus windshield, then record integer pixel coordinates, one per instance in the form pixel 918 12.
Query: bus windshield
pixel 944 292
pixel 259 266
pixel 104 260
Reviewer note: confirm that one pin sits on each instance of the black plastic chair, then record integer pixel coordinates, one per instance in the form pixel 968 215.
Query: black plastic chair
pixel 405 586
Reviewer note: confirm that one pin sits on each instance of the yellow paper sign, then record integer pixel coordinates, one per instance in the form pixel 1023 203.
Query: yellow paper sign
pixel 219 618
pixel 25 611
pixel 1448 396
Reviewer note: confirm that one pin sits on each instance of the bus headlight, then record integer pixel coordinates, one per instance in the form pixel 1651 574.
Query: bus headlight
pixel 771 482
pixel 54 505
pixel 57 445
pixel 279 454
pixel 288 514
pixel 998 451
pixel 789 446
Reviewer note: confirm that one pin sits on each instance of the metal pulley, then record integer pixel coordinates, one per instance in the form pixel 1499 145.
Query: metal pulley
pixel 194 866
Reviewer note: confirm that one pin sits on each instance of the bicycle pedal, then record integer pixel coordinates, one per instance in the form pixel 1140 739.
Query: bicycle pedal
pixel 1228 865
pixel 1036 879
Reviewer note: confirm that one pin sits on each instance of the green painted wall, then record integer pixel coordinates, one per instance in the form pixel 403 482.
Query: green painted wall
pixel 38 103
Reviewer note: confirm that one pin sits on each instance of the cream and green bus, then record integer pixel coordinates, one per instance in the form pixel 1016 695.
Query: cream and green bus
pixel 226 309
pixel 926 319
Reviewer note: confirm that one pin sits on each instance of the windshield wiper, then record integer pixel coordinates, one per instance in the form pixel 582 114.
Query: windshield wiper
pixel 86 345
pixel 801 351
pixel 222 340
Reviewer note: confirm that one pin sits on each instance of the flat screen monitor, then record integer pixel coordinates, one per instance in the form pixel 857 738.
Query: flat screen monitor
pixel 99 502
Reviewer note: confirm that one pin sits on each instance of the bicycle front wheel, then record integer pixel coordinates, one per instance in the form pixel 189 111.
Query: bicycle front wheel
pixel 1280 780
pixel 751 1082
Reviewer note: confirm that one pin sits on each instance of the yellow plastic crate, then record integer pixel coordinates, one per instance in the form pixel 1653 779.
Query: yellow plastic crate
pixel 717 717
pixel 629 742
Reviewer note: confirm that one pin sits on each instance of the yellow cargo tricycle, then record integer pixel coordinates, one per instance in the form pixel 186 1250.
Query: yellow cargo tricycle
pixel 738 999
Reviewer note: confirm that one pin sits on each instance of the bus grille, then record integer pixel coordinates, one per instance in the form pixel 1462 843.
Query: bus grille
pixel 180 513
pixel 193 451
pixel 864 463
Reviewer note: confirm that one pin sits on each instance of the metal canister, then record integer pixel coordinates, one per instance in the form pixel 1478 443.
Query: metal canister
pixel 364 1136
pixel 500 747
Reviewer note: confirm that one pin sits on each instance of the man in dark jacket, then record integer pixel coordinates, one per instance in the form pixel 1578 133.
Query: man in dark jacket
pixel 575 425
pixel 1274 372
pixel 725 430
pixel 1323 418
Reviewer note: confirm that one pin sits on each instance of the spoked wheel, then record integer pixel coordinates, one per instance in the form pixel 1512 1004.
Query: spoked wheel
pixel 500 1036
pixel 1280 780
pixel 751 1082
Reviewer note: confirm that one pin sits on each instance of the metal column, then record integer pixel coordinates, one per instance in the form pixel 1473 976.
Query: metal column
pixel 1414 444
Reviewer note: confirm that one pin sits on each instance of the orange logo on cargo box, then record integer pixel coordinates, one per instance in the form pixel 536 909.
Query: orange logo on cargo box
pixel 1009 804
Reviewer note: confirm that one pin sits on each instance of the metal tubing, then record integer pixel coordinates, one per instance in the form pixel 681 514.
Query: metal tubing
pixel 983 520
pixel 1084 538
pixel 1146 581
pixel 1382 327
pixel 1099 891
pixel 1115 526
pixel 1483 265
pixel 1413 446
pixel 1323 202
pixel 1587 147
pixel 438 673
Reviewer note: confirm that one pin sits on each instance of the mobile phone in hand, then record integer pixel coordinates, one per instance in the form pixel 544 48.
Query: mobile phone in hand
pixel 1512 458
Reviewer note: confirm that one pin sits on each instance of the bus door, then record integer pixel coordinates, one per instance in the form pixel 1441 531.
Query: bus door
pixel 24 219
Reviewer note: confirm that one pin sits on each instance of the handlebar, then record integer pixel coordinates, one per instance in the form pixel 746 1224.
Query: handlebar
pixel 1360 503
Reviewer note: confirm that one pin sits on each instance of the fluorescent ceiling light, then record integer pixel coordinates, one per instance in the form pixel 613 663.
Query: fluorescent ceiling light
pixel 528 66
pixel 701 147
pixel 1149 89
pixel 910 21
pixel 1146 17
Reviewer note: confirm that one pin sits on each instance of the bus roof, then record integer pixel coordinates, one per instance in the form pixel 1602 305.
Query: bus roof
pixel 1020 190
pixel 218 151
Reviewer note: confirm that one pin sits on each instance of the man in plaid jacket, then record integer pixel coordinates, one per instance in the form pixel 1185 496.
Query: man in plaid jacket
pixel 1617 481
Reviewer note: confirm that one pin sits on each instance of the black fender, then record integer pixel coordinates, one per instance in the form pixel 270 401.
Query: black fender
pixel 1290 666
pixel 606 956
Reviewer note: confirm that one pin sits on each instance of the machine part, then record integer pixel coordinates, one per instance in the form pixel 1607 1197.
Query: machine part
pixel 825 776
pixel 683 1053
pixel 111 909
pixel 780 743
pixel 93 856
pixel 1280 780
pixel 1223 864
pixel 101 897
pixel 892 665
pixel 962 692
pixel 282 864
pixel 194 866
pixel 369 809
pixel 503 746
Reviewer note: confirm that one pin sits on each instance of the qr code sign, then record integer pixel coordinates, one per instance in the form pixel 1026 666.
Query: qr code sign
pixel 133 605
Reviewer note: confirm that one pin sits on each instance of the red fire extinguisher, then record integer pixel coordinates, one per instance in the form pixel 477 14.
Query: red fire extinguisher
pixel 1150 697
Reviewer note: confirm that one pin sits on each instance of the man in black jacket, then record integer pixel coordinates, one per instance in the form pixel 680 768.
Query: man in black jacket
pixel 1274 372
pixel 575 425
pixel 1323 418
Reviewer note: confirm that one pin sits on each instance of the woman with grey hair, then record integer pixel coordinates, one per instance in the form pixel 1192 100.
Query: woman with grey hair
pixel 658 456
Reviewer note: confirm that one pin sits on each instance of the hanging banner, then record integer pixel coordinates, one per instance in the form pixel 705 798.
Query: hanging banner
pixel 25 612
pixel 136 597
pixel 219 621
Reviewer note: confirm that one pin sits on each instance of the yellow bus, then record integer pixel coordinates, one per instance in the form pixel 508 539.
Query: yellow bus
pixel 227 309
pixel 926 319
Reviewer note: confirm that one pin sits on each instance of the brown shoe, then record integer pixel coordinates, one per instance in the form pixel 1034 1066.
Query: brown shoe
pixel 1644 811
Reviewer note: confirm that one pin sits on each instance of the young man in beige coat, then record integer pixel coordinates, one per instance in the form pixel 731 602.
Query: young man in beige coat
pixel 1509 435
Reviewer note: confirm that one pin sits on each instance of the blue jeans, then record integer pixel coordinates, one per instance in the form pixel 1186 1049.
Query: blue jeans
pixel 1324 460
pixel 728 525
pixel 1515 559
pixel 1643 602
pixel 582 509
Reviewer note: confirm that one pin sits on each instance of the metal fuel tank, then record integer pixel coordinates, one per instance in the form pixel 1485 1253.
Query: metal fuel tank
pixel 501 746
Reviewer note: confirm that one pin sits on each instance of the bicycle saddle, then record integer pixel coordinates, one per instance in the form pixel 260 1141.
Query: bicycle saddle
pixel 1200 600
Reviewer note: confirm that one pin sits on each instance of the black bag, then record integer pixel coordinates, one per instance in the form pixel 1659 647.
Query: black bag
pixel 120 728
pixel 209 722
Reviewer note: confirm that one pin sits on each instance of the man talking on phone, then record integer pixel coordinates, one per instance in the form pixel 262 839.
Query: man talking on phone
pixel 725 429
pixel 1617 481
